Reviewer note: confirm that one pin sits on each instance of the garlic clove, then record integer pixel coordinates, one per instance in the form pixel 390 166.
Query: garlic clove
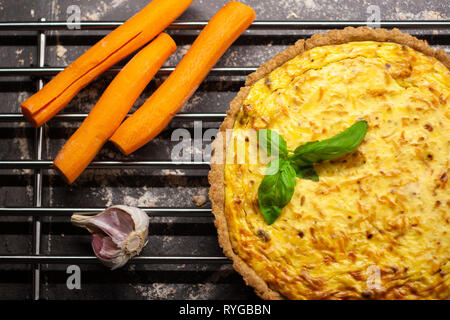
pixel 104 246
pixel 118 233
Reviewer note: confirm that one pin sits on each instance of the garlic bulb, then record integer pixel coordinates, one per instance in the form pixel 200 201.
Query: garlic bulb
pixel 118 233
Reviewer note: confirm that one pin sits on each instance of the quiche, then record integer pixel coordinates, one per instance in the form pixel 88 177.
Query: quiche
pixel 376 225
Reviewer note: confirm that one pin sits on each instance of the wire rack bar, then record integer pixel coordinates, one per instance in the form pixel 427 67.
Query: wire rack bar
pixel 50 71
pixel 64 212
pixel 18 117
pixel 38 178
pixel 47 164
pixel 200 24
pixel 30 259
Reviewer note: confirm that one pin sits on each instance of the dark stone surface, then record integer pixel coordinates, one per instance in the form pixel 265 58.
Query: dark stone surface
pixel 146 188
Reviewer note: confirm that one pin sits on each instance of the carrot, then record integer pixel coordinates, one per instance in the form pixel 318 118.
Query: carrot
pixel 154 115
pixel 127 38
pixel 112 107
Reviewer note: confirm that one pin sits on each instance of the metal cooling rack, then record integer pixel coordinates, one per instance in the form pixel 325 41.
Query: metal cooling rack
pixel 39 164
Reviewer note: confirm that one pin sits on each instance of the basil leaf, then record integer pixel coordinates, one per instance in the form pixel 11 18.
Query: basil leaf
pixel 342 143
pixel 276 189
pixel 271 141
pixel 306 172
pixel 278 184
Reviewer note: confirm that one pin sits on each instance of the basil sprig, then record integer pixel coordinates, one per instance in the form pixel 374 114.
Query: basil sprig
pixel 340 144
pixel 276 189
pixel 278 184
pixel 272 141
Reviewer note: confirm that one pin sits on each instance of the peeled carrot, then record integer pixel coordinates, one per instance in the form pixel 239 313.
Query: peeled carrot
pixel 127 38
pixel 112 107
pixel 154 115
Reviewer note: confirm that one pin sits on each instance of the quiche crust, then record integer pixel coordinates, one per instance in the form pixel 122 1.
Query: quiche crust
pixel 216 175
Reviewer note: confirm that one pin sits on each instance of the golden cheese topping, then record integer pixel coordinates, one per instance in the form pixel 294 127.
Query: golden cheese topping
pixel 376 225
